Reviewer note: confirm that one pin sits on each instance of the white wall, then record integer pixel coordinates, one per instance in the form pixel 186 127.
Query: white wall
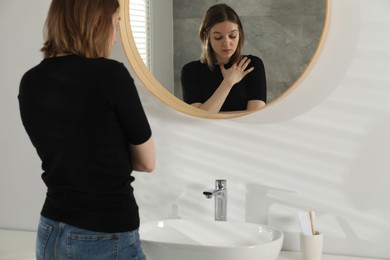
pixel 162 42
pixel 328 152
pixel 21 190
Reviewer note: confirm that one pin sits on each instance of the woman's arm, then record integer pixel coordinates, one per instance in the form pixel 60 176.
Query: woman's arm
pixel 231 76
pixel 215 102
pixel 143 157
pixel 255 105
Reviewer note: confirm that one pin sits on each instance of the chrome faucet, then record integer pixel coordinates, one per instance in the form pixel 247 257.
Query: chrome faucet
pixel 220 199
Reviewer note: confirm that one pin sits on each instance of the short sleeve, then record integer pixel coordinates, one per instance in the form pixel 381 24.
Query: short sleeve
pixel 128 108
pixel 189 83
pixel 257 85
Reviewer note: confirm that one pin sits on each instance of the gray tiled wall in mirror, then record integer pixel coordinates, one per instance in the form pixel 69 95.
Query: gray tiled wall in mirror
pixel 283 33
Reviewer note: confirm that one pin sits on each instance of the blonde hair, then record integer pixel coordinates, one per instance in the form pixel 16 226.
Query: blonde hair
pixel 217 14
pixel 81 27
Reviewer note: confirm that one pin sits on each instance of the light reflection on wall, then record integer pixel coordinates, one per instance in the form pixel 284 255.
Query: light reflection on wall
pixel 314 161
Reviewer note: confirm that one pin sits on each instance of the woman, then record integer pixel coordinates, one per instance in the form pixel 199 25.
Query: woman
pixel 223 79
pixel 83 115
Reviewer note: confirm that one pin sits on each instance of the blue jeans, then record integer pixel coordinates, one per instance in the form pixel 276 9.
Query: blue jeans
pixel 60 241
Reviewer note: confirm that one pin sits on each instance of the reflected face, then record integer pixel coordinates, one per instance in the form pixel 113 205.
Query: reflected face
pixel 224 38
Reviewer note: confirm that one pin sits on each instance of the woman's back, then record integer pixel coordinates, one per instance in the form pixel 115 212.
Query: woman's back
pixel 80 114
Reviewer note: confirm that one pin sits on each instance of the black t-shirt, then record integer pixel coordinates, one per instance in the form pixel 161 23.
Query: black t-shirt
pixel 199 83
pixel 80 115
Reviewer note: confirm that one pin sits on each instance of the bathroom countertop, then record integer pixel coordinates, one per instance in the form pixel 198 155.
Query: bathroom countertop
pixel 297 256
pixel 25 248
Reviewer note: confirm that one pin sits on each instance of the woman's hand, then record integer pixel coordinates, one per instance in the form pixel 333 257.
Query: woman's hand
pixel 236 72
pixel 231 76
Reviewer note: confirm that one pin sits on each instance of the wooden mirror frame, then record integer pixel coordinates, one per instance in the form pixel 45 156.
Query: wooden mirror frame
pixel 155 87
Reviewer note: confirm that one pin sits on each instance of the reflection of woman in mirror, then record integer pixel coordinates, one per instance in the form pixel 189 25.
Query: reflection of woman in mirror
pixel 223 79
pixel 83 115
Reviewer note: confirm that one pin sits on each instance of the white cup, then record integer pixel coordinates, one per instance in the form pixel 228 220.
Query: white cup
pixel 311 246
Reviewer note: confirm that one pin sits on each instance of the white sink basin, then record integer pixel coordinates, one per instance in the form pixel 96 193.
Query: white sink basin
pixel 179 239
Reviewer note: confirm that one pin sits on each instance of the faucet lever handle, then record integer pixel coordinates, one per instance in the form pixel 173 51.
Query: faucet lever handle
pixel 208 194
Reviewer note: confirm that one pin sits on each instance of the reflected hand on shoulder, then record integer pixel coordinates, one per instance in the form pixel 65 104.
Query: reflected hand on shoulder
pixel 237 71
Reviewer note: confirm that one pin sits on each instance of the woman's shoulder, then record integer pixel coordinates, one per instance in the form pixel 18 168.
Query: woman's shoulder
pixel 105 68
pixel 111 66
pixel 110 63
pixel 255 60
pixel 196 64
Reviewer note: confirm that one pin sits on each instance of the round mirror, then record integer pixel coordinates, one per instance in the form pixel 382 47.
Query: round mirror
pixel 286 35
